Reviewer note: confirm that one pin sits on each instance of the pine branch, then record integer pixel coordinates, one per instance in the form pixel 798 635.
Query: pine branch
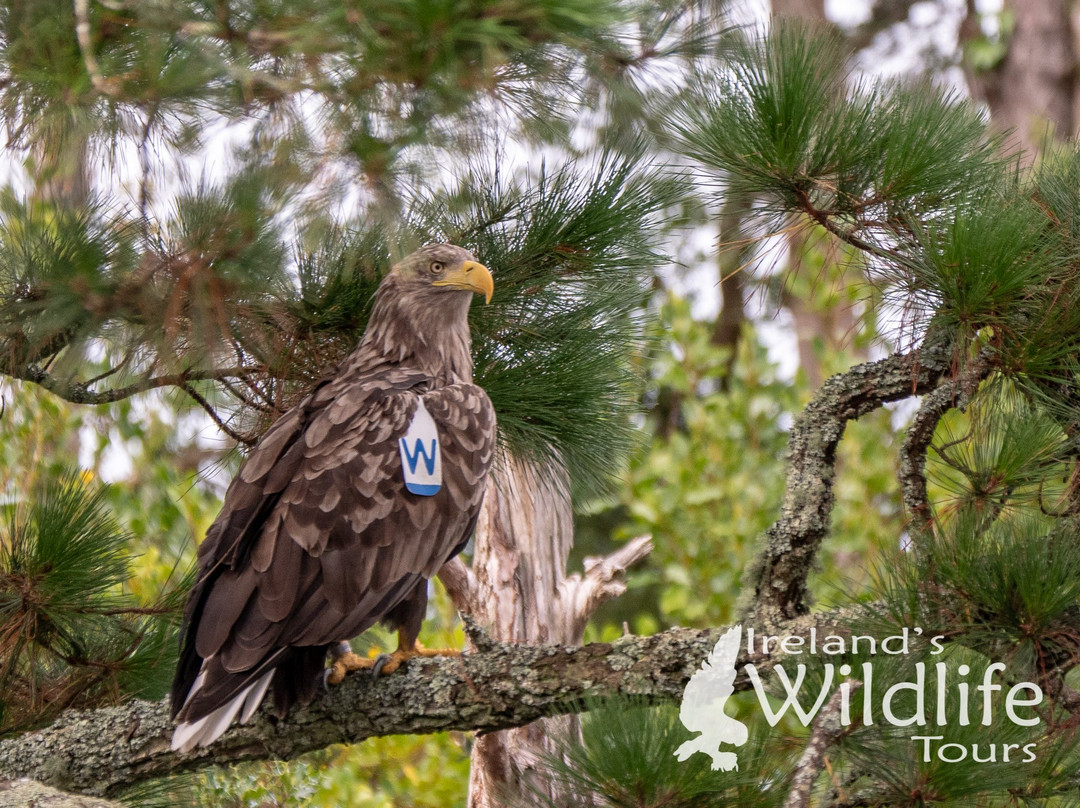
pixel 80 392
pixel 775 582
pixel 105 751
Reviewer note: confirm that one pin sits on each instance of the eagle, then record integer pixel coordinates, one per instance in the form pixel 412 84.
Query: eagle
pixel 345 508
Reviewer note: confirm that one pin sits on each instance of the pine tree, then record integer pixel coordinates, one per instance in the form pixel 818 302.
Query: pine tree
pixel 239 291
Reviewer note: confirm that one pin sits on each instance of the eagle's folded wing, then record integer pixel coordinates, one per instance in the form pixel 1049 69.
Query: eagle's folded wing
pixel 318 538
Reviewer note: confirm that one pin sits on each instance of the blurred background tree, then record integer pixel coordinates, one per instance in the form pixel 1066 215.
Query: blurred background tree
pixel 201 197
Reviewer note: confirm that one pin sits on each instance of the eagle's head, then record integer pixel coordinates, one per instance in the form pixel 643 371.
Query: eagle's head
pixel 421 309
pixel 436 269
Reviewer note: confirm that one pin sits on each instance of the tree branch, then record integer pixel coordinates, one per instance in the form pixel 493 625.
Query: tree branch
pixel 920 433
pixel 208 408
pixel 775 581
pixel 24 793
pixel 912 472
pixel 104 751
pixel 80 392
pixel 85 39
pixel 884 14
pixel 602 581
pixel 827 728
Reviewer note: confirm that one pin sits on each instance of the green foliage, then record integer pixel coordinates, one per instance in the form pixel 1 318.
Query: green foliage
pixel 1002 454
pixel 56 267
pixel 979 268
pixel 140 529
pixel 781 123
pixel 69 635
pixel 997 571
pixel 336 284
pixel 708 488
pixel 912 179
pixel 380 773
pixel 625 758
pixel 704 492
pixel 778 115
pixel 379 78
pixel 899 768
pixel 995 576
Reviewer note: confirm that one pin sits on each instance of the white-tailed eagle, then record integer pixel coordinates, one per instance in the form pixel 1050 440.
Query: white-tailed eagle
pixel 345 508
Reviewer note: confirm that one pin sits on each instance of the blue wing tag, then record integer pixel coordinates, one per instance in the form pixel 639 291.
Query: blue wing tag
pixel 421 459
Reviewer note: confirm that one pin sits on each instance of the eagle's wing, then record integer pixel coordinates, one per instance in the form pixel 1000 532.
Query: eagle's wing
pixel 318 538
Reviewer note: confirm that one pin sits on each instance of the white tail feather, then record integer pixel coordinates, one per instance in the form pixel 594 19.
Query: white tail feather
pixel 210 727
pixel 255 696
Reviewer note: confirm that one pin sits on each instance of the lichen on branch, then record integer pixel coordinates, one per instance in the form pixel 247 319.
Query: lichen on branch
pixel 105 751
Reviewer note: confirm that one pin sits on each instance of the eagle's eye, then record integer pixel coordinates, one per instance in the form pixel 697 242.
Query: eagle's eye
pixel 437 267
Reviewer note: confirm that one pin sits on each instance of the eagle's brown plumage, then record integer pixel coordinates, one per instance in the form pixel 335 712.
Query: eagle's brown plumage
pixel 318 539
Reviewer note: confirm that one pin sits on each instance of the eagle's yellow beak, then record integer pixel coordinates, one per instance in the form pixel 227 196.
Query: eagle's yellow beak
pixel 472 276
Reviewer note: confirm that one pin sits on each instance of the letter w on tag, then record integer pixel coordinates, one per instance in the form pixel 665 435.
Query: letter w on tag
pixel 421 460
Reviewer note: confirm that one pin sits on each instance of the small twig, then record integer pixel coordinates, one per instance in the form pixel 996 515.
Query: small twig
pixel 209 408
pixel 144 171
pixel 243 397
pixel 460 583
pixel 827 729
pixel 827 220
pixel 127 610
pixel 941 448
pixel 477 634
pixel 111 371
pixel 1056 514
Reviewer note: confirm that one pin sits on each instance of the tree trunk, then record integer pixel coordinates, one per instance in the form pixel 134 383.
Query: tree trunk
pixel 63 165
pixel 518 590
pixel 1032 90
pixel 736 250
pixel 813 10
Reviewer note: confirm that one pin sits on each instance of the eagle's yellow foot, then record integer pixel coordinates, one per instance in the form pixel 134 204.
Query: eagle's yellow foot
pixel 344 661
pixel 388 663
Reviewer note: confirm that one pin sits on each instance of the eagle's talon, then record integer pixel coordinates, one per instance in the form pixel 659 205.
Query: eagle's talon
pixel 381 661
pixel 342 665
